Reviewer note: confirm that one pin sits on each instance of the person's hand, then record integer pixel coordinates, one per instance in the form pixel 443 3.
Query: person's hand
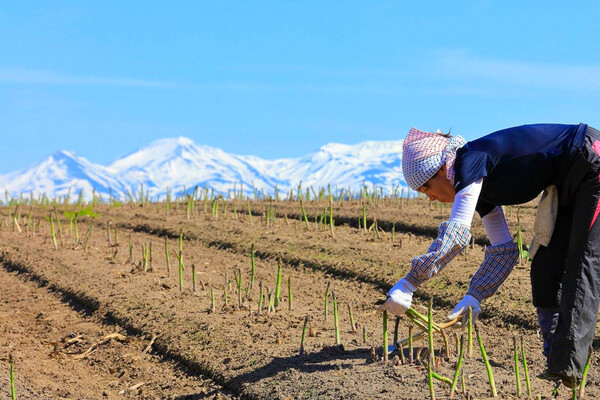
pixel 462 309
pixel 399 297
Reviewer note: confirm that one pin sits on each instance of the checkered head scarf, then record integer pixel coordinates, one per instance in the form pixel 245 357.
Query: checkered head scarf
pixel 424 153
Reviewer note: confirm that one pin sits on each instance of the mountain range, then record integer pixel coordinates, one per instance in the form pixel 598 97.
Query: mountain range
pixel 179 163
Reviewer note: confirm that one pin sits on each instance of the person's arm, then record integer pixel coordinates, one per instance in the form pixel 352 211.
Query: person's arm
pixel 499 260
pixel 453 237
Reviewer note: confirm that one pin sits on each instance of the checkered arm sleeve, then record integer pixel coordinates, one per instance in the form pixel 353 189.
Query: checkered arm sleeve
pixel 452 238
pixel 498 263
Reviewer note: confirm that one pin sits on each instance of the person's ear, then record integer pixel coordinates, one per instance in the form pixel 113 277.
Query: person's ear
pixel 443 169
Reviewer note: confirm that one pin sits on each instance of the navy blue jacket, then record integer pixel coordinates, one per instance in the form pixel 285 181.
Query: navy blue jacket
pixel 517 163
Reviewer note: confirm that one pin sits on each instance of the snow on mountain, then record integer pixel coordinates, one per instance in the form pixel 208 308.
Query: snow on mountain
pixel 346 166
pixel 61 172
pixel 179 163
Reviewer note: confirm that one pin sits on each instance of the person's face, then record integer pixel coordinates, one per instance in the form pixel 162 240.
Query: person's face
pixel 439 187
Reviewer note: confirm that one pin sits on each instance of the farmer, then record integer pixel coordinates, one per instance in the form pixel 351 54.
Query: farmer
pixel 512 166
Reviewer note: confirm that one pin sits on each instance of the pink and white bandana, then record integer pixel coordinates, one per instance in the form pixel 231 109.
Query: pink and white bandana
pixel 424 153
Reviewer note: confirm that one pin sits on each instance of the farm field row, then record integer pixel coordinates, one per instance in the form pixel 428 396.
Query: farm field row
pixel 418 216
pixel 352 253
pixel 256 355
pixel 50 339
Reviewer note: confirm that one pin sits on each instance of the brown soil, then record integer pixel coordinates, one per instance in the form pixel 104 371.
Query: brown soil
pixel 378 260
pixel 415 215
pixel 47 334
pixel 256 356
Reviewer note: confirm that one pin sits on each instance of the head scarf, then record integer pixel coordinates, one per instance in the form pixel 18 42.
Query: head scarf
pixel 424 153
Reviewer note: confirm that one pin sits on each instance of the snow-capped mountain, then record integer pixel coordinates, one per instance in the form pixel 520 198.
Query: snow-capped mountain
pixel 373 162
pixel 61 174
pixel 179 163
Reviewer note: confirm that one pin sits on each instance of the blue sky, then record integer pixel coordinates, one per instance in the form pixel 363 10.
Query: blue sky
pixel 280 79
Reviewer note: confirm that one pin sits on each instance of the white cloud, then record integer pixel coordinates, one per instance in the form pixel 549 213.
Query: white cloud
pixel 45 77
pixel 566 77
pixel 241 86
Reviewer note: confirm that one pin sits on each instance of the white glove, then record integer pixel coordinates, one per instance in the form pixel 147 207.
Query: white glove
pixel 462 308
pixel 399 297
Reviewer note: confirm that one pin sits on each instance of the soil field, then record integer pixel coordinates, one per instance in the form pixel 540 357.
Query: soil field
pixel 174 343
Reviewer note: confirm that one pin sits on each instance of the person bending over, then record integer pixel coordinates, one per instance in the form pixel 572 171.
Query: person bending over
pixel 513 166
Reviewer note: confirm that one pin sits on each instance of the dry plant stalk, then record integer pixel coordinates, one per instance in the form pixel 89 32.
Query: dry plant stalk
pixel 270 303
pixel 446 345
pixel 401 351
pixel 105 339
pixel 87 235
pixel 301 352
pixel 213 307
pixel 290 300
pixel 396 328
pixel 456 343
pixel 385 337
pixel 52 231
pixel 166 256
pixel 130 250
pixel 410 345
pixel 327 299
pixel 194 286
pixel 149 346
pixel 352 323
pixel 331 216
